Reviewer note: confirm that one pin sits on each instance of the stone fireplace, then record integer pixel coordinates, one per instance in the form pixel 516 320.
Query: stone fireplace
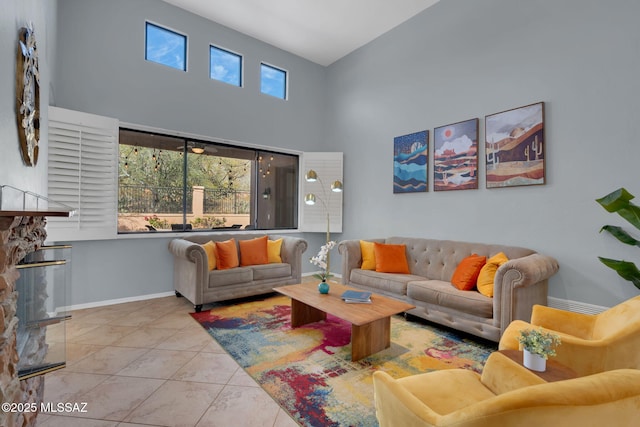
pixel 21 233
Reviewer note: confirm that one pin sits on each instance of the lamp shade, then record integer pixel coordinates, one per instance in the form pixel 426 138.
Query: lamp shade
pixel 311 176
pixel 336 186
pixel 310 199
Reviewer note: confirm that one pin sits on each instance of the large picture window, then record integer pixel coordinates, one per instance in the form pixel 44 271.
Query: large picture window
pixel 170 183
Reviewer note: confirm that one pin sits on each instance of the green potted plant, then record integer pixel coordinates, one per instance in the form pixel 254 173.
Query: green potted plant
pixel 619 201
pixel 537 346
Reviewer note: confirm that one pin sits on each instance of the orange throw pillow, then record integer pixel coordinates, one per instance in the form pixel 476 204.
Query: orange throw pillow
pixel 254 251
pixel 227 254
pixel 466 274
pixel 391 258
pixel 210 249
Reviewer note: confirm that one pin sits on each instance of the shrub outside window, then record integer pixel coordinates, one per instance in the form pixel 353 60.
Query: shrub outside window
pixel 273 81
pixel 165 47
pixel 225 66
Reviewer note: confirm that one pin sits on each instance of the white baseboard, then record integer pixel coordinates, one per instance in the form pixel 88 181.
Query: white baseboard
pixel 578 307
pixel 115 301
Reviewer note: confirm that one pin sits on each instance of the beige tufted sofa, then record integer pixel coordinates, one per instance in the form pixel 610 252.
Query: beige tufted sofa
pixel 193 280
pixel 519 284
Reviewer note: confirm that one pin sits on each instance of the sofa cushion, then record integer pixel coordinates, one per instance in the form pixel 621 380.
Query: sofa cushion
pixel 367 249
pixel 231 276
pixel 210 249
pixel 271 271
pixel 227 254
pixel 488 273
pixel 391 258
pixel 273 250
pixel 466 274
pixel 442 293
pixel 387 282
pixel 253 251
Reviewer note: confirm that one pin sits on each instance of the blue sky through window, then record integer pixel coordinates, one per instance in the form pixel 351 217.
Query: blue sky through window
pixel 225 66
pixel 165 47
pixel 273 81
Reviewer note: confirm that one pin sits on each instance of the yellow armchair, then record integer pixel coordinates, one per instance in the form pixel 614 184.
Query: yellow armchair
pixel 506 394
pixel 590 343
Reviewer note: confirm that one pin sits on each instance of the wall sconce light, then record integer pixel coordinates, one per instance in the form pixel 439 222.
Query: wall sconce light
pixel 266 194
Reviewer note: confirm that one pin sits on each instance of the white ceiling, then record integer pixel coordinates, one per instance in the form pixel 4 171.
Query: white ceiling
pixel 321 31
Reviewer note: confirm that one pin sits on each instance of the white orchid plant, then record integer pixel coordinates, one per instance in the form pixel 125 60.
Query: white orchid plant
pixel 322 261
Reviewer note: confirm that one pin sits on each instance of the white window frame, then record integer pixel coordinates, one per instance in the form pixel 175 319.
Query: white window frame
pixel 329 167
pixel 83 174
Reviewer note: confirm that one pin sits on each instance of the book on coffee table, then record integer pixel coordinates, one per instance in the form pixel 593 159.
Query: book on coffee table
pixel 358 297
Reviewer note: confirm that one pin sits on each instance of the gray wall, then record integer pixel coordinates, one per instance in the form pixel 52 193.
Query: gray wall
pixel 100 69
pixel 457 60
pixel 464 58
pixel 15 15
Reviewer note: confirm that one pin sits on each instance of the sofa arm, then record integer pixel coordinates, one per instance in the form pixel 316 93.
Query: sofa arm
pixel 501 374
pixel 190 269
pixel 397 406
pixel 351 258
pixel 291 253
pixel 519 284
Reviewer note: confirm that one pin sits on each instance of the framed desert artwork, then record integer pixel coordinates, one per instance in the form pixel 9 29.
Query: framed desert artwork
pixel 455 156
pixel 514 147
pixel 410 159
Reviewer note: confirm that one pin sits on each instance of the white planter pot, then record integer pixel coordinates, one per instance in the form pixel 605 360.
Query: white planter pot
pixel 534 361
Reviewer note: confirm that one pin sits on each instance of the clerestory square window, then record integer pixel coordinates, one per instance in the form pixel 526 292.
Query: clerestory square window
pixel 273 81
pixel 165 47
pixel 225 66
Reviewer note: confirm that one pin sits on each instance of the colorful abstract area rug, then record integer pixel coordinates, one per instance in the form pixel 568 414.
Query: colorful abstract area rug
pixel 308 370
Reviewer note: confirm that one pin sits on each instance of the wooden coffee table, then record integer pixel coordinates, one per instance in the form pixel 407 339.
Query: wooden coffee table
pixel 370 323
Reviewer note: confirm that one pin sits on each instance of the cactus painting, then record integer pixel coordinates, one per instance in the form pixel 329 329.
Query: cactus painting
pixel 514 147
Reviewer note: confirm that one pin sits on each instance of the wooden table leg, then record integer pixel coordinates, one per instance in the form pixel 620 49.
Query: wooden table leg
pixel 301 314
pixel 370 338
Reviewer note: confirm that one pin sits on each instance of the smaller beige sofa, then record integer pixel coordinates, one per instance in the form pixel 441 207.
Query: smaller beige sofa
pixel 518 285
pixel 193 280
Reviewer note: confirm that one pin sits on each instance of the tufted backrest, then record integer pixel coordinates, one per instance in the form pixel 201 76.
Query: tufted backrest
pixel 438 259
pixel 218 237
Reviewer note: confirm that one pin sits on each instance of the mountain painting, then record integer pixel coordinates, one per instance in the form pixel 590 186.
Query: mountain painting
pixel 515 147
pixel 410 158
pixel 455 156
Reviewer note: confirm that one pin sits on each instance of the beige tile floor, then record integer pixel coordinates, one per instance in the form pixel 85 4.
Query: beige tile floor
pixel 148 363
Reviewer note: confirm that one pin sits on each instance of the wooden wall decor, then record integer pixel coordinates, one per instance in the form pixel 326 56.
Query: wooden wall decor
pixel 28 96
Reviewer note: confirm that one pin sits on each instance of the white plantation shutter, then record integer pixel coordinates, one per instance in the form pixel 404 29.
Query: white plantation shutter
pixel 83 174
pixel 328 166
